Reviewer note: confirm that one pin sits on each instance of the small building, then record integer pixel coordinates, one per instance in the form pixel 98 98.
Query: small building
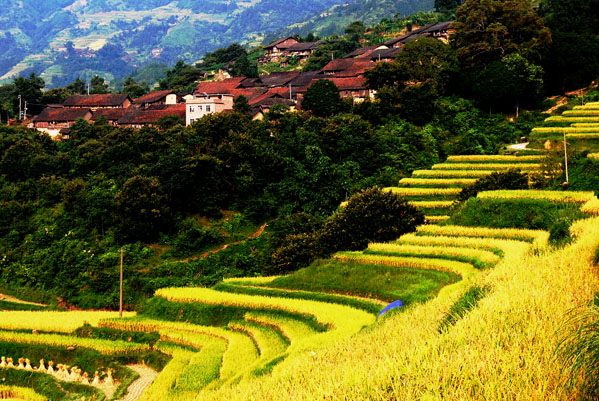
pixel 137 117
pixel 275 50
pixel 103 101
pixel 112 116
pixel 347 67
pixel 54 119
pixel 198 107
pixel 300 50
pixel 154 98
pixel 224 90
pixel 439 30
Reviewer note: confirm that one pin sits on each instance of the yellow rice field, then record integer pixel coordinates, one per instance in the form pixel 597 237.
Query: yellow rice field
pixel 451 173
pixel 539 238
pixel 493 158
pixel 554 196
pixel 20 393
pixel 486 166
pixel 501 350
pixel 591 207
pixel 62 322
pixel 423 191
pixel 437 181
pixel 480 254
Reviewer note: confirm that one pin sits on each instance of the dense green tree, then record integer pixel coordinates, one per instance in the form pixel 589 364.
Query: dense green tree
pixel 77 87
pixel 573 60
pixel 243 67
pixel 224 55
pixel 241 105
pixel 98 85
pixel 371 215
pixel 133 89
pixel 30 90
pixel 489 30
pixel 322 98
pixel 141 209
pixel 181 77
pixel 447 5
pixel 55 96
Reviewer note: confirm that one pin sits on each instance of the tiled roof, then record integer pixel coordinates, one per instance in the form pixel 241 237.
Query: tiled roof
pixel 106 100
pixel 303 79
pixel 152 115
pixel 152 97
pixel 383 54
pixel 276 42
pixel 249 93
pixel 282 93
pixel 303 46
pixel 352 83
pixel 362 51
pixel 425 30
pixel 109 114
pixel 60 114
pixel 347 67
pixel 251 83
pixel 219 87
pixel 279 78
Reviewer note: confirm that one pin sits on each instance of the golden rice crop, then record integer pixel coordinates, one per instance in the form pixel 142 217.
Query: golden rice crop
pixel 588 106
pixel 503 349
pixel 592 206
pixel 565 130
pixel 581 113
pixel 437 181
pixel 269 343
pixel 343 319
pixel 505 245
pixel 160 389
pixel 451 173
pixel 20 393
pixel 250 280
pixel 486 166
pixel 292 329
pixel 554 196
pixel 431 204
pixel 494 158
pixel 240 351
pixel 539 238
pixel 584 125
pixel 423 191
pixel 583 136
pixel 62 322
pixel 593 155
pixel 571 119
pixel 480 254
pixel 107 347
pixel 436 218
pixel 466 270
pixel 204 366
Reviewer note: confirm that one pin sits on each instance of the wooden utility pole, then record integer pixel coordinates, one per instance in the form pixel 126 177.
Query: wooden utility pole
pixel 121 297
pixel 566 158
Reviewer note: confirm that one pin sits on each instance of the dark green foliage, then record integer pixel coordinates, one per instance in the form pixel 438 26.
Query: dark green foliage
pixel 243 67
pixel 596 260
pixel 107 333
pixel 224 55
pixel 584 173
pixel 241 105
pixel 462 305
pixel 209 315
pixel 578 350
pixel 322 98
pixel 537 214
pixel 372 281
pixel 371 215
pixel 511 179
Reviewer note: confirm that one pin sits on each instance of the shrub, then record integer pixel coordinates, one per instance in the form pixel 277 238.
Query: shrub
pixel 371 215
pixel 511 179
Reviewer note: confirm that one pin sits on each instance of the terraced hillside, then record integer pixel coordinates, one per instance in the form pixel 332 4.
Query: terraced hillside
pixel 580 127
pixel 435 190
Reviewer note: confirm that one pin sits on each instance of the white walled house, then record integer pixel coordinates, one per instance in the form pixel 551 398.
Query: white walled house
pixel 198 107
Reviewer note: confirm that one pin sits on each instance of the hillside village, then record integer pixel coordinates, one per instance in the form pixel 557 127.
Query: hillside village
pixel 284 88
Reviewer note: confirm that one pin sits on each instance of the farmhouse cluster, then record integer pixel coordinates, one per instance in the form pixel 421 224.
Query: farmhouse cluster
pixel 278 88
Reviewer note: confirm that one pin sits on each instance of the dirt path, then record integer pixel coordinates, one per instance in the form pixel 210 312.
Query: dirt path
pixel 519 146
pixel 225 246
pixel 10 298
pixel 137 388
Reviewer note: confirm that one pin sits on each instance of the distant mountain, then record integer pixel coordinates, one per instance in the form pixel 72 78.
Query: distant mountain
pixel 66 39
pixel 338 17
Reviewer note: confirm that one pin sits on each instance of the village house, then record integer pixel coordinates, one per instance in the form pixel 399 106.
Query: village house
pixel 300 51
pixel 98 101
pixel 198 107
pixel 439 30
pixel 347 67
pixel 154 98
pixel 56 121
pixel 111 116
pixel 275 50
pixel 138 118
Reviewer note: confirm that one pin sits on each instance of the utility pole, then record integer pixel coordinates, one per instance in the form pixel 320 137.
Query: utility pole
pixel 566 158
pixel 19 107
pixel 25 111
pixel 290 97
pixel 88 88
pixel 121 291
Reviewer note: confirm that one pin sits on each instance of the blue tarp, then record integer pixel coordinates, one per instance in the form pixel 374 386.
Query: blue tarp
pixel 392 305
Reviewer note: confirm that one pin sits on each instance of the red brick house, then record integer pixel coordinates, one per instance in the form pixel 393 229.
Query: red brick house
pixel 275 50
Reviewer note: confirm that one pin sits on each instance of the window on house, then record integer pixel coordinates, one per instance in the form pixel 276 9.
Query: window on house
pixel 199 108
pixel 207 107
pixel 191 109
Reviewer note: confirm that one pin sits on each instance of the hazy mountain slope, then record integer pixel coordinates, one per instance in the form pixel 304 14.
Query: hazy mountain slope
pixel 370 12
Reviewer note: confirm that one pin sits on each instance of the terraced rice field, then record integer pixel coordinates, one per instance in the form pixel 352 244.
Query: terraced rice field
pixel 435 190
pixel 579 125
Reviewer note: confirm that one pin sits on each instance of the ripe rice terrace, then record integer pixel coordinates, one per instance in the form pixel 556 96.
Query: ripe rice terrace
pixel 315 334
